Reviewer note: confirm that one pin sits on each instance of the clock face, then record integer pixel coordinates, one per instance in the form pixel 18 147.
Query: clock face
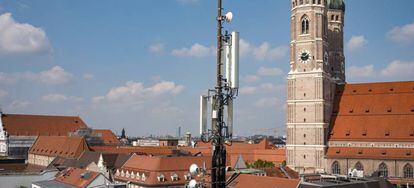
pixel 304 56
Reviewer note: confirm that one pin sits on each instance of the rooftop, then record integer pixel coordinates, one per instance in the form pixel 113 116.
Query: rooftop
pixel 62 146
pixel 374 111
pixel 41 125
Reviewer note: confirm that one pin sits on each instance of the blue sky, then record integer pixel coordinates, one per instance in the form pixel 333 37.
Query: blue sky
pixel 141 65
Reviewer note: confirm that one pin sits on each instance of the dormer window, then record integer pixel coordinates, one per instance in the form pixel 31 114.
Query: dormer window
pixel 143 177
pixel 348 132
pixel 161 178
pixel 174 177
pixel 187 177
pixel 364 133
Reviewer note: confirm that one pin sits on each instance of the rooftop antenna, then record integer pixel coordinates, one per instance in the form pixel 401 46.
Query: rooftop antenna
pixel 221 97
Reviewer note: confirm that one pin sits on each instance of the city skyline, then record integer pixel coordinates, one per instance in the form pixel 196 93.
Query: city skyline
pixel 142 65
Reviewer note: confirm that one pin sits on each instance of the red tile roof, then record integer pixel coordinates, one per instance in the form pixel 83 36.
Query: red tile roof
pixel 62 146
pixel 77 177
pixel 108 137
pixel 153 167
pixel 139 150
pixel 248 181
pixel 370 153
pixel 36 125
pixel 249 152
pixel 374 112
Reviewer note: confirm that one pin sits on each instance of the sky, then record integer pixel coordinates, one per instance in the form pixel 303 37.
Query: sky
pixel 141 65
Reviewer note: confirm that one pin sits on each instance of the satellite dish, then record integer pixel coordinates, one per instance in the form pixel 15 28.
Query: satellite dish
pixel 192 184
pixel 194 169
pixel 229 17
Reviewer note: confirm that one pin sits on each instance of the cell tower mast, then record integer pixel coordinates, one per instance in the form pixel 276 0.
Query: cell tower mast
pixel 221 97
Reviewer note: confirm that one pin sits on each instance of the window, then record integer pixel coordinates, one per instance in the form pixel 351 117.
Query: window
pixel 300 2
pixel 383 170
pixel 305 25
pixel 408 171
pixel 332 17
pixel 319 2
pixel 336 169
pixel 359 166
pixel 337 18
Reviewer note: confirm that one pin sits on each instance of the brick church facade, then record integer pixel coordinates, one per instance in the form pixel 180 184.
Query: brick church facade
pixel 333 126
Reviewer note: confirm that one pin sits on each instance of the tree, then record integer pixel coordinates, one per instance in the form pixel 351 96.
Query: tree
pixel 261 164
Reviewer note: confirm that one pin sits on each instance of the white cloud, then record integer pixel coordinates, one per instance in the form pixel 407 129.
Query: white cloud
pixel 248 90
pixel 156 48
pixel 356 42
pixel 197 50
pixel 16 104
pixel 55 98
pixel 403 34
pixel 55 75
pixel 265 52
pixel 262 52
pixel 267 102
pixel 273 88
pixel 251 78
pixel 399 69
pixel 21 38
pixel 88 76
pixel 263 71
pixel 134 93
pixel 394 71
pixel 363 71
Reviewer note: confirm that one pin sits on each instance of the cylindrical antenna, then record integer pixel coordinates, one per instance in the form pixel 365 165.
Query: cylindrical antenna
pixel 203 114
pixel 230 118
pixel 234 60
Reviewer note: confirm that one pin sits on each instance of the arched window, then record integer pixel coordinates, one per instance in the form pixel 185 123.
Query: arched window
pixel 305 25
pixel 408 171
pixel 336 169
pixel 359 166
pixel 383 170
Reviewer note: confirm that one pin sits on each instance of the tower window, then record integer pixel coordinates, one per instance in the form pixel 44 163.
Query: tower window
pixel 319 2
pixel 332 17
pixel 337 18
pixel 305 25
pixel 304 109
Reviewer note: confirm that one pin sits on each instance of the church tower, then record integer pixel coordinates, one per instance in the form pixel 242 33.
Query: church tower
pixel 313 76
pixel 336 18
